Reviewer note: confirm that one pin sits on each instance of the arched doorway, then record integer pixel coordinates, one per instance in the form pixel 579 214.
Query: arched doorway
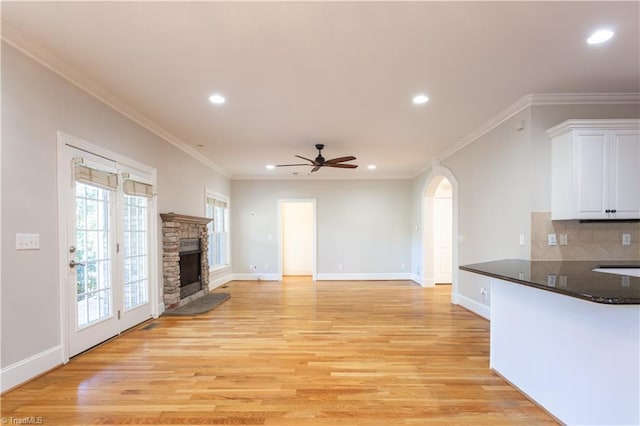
pixel 440 230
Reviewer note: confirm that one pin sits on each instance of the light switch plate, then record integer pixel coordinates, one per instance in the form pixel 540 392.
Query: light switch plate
pixel 551 240
pixel 27 241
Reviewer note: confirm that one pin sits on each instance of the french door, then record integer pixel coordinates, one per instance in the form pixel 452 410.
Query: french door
pixel 108 248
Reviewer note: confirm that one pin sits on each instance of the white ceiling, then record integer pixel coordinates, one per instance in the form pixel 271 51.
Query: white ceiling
pixel 338 73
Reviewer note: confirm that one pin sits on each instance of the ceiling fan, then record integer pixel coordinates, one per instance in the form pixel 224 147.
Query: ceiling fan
pixel 321 162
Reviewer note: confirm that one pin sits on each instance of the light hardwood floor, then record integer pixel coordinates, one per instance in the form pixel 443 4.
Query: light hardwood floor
pixel 292 353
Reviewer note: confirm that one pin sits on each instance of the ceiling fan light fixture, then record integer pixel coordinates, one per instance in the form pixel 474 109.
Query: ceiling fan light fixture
pixel 420 99
pixel 217 99
pixel 600 36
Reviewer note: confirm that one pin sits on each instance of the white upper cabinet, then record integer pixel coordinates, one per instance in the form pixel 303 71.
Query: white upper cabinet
pixel 595 169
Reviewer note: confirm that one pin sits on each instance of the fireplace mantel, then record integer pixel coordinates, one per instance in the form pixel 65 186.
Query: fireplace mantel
pixel 183 218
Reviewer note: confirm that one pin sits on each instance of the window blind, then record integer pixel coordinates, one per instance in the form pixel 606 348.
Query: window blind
pixel 133 187
pixel 95 177
pixel 216 203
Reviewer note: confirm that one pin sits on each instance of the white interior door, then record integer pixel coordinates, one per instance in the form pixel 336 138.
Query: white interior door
pixel 108 242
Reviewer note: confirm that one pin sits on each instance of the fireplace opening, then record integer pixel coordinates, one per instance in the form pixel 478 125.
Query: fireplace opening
pixel 190 267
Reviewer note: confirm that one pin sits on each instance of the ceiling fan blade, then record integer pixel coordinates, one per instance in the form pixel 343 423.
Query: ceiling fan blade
pixel 316 168
pixel 342 166
pixel 311 161
pixel 289 165
pixel 340 160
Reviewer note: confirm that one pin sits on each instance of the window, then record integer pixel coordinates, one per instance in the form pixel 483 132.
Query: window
pixel 217 208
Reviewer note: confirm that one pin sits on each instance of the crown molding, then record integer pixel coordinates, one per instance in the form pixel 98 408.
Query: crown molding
pixel 28 47
pixel 539 100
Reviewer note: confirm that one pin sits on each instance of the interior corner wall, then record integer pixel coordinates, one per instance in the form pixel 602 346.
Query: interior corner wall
pixel 494 200
pixel 417 246
pixel 363 225
pixel 37 103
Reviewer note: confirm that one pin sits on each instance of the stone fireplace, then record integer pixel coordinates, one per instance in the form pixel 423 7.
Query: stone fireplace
pixel 185 265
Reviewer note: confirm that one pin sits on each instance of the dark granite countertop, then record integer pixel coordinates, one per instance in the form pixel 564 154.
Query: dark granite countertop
pixel 571 278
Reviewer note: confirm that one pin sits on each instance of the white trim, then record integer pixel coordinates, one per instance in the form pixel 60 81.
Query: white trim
pixel 538 100
pixel 121 161
pixel 280 248
pixel 618 124
pixel 36 52
pixel 255 277
pixel 426 222
pixel 476 307
pixel 209 193
pixel 382 276
pixel 22 371
pixel 220 281
pixel 608 98
pixel 417 279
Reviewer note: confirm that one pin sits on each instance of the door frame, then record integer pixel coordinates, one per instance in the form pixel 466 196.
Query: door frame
pixel 426 240
pixel 314 254
pixel 63 170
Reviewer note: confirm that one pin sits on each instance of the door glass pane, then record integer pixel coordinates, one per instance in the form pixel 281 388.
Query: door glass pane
pixel 136 253
pixel 93 288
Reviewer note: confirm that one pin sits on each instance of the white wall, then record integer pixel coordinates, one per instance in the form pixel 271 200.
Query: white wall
pixel 36 104
pixel 363 225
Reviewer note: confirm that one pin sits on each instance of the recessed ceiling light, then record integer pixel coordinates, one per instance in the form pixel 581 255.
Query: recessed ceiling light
pixel 270 166
pixel 217 99
pixel 371 167
pixel 420 99
pixel 600 36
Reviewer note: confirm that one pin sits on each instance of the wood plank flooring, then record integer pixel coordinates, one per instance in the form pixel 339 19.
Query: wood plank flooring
pixel 291 353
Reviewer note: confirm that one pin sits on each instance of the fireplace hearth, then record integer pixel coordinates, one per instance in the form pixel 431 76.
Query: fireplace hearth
pixel 185 265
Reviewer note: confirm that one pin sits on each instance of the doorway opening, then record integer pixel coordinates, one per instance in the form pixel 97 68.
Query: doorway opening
pixel 442 232
pixel 297 238
pixel 440 228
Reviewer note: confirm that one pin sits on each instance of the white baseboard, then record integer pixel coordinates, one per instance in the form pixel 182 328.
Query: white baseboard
pixel 365 276
pixel 220 281
pixel 255 277
pixel 417 279
pixel 478 308
pixel 21 371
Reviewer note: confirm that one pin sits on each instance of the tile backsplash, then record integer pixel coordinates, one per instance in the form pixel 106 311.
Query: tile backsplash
pixel 585 241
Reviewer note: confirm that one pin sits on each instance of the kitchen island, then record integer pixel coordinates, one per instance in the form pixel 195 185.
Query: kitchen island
pixel 568 337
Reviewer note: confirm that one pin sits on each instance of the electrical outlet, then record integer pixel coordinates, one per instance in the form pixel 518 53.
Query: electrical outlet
pixel 483 291
pixel 564 239
pixel 551 280
pixel 551 240
pixel 626 239
pixel 403 267
pixel 521 239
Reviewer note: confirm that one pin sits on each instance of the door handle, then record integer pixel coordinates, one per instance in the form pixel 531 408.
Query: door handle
pixel 73 264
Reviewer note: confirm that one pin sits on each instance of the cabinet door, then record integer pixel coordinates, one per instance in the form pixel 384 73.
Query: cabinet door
pixel 591 164
pixel 625 174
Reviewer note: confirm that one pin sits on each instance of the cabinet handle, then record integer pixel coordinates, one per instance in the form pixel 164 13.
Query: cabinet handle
pixel 613 211
pixel 607 211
